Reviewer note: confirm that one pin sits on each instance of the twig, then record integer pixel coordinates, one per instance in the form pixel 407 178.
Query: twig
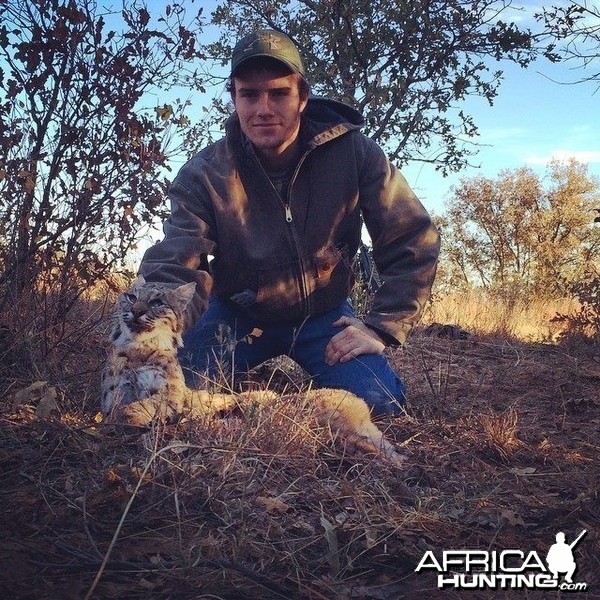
pixel 86 528
pixel 113 542
pixel 250 574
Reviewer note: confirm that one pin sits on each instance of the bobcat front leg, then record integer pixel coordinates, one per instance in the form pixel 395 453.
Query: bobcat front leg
pixel 158 407
pixel 202 404
pixel 173 403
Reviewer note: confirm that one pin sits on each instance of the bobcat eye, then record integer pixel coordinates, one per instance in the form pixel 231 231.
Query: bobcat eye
pixel 131 298
pixel 156 302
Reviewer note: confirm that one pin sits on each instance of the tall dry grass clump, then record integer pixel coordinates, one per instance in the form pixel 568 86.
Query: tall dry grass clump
pixel 500 432
pixel 483 312
pixel 41 342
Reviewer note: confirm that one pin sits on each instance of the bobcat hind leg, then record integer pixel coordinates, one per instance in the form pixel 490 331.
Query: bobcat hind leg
pixel 349 415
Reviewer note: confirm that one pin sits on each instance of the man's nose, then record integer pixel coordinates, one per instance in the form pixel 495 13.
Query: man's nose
pixel 264 104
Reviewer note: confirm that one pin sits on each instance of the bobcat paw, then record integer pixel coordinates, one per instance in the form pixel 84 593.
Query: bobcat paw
pixel 144 412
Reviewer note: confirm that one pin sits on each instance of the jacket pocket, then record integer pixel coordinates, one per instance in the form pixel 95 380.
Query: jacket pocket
pixel 289 290
pixel 331 278
pixel 279 294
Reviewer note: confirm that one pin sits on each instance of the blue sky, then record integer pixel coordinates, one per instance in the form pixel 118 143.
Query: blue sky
pixel 540 114
pixel 533 120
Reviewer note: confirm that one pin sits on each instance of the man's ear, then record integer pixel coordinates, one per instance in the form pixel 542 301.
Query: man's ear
pixel 304 92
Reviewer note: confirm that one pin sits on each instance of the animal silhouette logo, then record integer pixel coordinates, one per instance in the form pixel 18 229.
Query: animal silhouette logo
pixel 560 557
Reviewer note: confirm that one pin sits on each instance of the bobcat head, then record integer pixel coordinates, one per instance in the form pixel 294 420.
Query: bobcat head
pixel 148 310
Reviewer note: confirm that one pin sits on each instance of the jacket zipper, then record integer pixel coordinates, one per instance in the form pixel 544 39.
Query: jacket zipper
pixel 306 303
pixel 289 220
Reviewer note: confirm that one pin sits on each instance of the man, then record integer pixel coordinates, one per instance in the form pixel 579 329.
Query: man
pixel 278 204
pixel 560 557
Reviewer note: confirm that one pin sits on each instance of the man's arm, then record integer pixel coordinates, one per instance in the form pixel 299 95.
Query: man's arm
pixel 182 255
pixel 405 249
pixel 406 246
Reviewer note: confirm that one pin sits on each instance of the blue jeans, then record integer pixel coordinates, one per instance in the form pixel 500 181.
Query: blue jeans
pixel 225 343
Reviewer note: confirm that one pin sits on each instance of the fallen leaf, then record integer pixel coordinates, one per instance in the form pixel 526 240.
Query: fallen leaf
pixel 525 471
pixel 47 403
pixel 26 394
pixel 371 537
pixel 272 504
pixel 145 584
pixel 511 517
pixel 342 517
pixel 333 546
pixel 92 431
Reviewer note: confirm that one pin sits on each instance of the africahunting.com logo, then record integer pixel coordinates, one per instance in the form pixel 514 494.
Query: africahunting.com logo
pixel 506 569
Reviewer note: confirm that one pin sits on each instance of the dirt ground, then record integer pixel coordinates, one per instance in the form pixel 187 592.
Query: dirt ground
pixel 501 439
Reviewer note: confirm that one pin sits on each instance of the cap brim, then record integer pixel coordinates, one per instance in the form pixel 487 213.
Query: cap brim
pixel 289 65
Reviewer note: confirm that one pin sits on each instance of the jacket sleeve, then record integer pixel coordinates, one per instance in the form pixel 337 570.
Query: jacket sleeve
pixel 406 246
pixel 189 237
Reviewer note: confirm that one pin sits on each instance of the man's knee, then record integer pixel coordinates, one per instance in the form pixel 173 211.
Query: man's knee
pixel 379 386
pixel 373 380
pixel 384 401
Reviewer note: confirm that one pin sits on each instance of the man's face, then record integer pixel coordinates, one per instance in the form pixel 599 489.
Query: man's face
pixel 269 106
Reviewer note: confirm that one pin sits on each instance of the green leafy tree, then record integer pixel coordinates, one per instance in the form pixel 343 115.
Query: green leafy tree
pixel 83 156
pixel 521 235
pixel 407 66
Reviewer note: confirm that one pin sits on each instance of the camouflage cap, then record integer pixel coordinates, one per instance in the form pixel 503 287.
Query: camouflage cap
pixel 270 44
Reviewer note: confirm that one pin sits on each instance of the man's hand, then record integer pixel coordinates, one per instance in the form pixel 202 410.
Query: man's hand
pixel 355 339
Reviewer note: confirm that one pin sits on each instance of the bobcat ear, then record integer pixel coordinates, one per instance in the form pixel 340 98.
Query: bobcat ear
pixel 186 292
pixel 138 281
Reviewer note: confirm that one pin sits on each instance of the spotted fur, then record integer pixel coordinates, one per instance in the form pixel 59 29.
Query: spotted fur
pixel 142 359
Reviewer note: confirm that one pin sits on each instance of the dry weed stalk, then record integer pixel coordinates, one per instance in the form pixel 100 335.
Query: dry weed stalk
pixel 500 433
pixel 439 388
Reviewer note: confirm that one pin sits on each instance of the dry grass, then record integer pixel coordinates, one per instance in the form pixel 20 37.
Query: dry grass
pixel 479 312
pixel 500 433
pixel 502 442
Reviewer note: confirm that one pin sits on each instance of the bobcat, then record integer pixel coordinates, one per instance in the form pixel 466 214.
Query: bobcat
pixel 143 380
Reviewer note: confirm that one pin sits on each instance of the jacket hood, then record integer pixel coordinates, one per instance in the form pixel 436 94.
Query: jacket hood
pixel 324 120
pixel 332 112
